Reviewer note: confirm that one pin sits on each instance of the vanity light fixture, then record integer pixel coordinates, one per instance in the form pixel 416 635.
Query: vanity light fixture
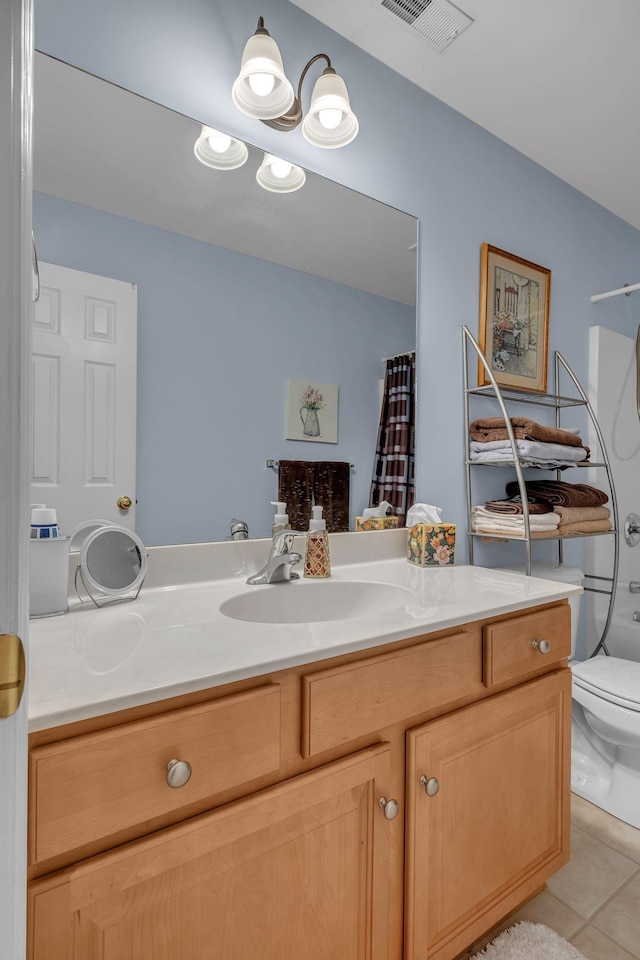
pixel 280 176
pixel 262 90
pixel 219 150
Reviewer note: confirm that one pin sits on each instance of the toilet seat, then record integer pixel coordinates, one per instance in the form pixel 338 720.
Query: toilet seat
pixel 610 678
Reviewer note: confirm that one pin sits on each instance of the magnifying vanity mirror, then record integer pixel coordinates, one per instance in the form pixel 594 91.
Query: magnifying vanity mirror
pixel 112 565
pixel 229 291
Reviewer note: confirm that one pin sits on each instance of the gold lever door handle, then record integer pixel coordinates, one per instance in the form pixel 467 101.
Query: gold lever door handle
pixel 12 670
pixel 124 502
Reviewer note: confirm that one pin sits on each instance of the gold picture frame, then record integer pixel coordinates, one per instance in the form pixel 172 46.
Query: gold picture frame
pixel 515 295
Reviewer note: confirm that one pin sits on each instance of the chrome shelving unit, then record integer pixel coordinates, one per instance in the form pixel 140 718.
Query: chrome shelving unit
pixel 558 402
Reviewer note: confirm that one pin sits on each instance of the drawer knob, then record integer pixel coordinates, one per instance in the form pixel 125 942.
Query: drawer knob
pixel 390 807
pixel 541 645
pixel 178 773
pixel 431 785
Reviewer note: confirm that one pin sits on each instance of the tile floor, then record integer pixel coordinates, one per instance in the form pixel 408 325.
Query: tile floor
pixel 593 902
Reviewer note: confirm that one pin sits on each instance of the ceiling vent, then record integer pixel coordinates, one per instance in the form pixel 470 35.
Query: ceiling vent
pixel 436 22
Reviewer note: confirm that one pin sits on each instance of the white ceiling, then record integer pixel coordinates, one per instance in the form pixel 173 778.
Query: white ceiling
pixel 559 80
pixel 134 158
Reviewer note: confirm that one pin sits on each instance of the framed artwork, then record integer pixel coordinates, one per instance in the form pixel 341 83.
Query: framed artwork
pixel 514 320
pixel 312 411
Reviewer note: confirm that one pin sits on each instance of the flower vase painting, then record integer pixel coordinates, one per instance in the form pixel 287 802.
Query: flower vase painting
pixel 312 411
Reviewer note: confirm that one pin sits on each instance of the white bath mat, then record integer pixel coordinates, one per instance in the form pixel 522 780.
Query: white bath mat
pixel 529 941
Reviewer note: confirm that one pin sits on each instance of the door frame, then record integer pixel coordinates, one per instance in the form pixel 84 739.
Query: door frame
pixel 16 110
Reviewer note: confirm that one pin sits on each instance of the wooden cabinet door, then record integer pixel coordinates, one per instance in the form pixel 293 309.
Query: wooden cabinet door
pixel 498 825
pixel 299 870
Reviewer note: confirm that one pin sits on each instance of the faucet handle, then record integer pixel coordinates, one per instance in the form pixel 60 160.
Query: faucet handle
pixel 283 541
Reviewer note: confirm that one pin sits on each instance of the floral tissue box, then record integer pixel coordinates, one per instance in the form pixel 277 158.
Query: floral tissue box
pixel 431 544
pixel 377 523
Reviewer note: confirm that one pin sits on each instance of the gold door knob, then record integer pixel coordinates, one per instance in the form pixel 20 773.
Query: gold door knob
pixel 124 502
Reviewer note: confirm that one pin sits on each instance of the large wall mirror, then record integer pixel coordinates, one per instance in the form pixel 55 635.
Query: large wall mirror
pixel 237 291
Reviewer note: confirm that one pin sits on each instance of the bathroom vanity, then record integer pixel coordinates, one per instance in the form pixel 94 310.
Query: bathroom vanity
pixel 381 786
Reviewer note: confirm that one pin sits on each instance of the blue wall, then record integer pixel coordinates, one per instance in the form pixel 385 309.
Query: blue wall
pixel 217 340
pixel 413 152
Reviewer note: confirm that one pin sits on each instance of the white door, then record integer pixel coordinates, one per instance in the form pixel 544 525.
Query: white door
pixel 84 397
pixel 15 312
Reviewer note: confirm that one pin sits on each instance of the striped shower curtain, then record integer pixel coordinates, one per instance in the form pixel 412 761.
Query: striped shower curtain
pixel 394 468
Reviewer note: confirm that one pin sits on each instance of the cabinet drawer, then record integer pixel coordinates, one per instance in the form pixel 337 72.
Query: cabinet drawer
pixel 344 703
pixel 514 648
pixel 98 784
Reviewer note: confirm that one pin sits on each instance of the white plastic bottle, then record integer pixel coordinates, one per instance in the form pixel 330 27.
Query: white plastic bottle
pixel 317 562
pixel 281 518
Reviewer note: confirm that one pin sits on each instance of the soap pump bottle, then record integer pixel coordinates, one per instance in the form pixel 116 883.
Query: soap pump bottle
pixel 317 562
pixel 281 518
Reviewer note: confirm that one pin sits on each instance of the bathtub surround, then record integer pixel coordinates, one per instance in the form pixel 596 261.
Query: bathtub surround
pixel 612 379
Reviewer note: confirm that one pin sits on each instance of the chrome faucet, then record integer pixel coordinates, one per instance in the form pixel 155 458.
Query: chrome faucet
pixel 281 559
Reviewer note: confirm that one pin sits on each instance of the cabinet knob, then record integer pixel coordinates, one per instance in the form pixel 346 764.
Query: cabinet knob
pixel 541 645
pixel 390 807
pixel 431 785
pixel 178 773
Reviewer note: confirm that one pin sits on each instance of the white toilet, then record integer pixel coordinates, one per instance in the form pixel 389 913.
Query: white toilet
pixel 605 751
pixel 605 748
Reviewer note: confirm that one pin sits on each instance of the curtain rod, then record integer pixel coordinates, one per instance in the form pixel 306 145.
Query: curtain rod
pixel 407 353
pixel 615 293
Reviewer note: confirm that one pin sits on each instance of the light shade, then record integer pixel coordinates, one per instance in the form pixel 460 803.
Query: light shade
pixel 220 151
pixel 280 176
pixel 330 121
pixel 261 63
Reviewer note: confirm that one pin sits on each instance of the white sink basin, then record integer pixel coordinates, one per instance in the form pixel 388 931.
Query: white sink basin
pixel 308 602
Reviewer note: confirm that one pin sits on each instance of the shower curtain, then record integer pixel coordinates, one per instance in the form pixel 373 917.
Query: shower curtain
pixel 394 467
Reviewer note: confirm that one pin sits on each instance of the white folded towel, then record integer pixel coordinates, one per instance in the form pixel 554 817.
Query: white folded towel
pixel 537 521
pixel 528 450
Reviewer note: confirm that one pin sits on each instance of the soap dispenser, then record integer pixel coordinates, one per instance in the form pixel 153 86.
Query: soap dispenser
pixel 281 518
pixel 317 562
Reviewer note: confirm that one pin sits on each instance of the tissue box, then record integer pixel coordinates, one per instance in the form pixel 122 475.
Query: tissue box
pixel 377 523
pixel 431 544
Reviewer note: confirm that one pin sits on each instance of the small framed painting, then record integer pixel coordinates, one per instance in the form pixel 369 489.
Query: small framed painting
pixel 514 320
pixel 312 411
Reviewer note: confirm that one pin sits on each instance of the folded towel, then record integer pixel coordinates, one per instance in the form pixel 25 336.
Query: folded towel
pixel 498 532
pixel 578 514
pixel 488 519
pixel 584 526
pixel 527 450
pixel 514 506
pixel 560 493
pixel 494 428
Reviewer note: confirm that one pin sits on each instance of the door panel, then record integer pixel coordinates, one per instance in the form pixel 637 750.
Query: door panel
pixel 84 396
pixel 292 871
pixel 499 818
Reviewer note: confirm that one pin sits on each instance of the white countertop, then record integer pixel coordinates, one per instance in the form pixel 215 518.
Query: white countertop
pixel 173 640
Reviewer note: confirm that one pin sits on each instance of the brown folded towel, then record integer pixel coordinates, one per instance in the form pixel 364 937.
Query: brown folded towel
pixel 584 526
pixel 493 428
pixel 560 493
pixel 514 506
pixel 579 514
